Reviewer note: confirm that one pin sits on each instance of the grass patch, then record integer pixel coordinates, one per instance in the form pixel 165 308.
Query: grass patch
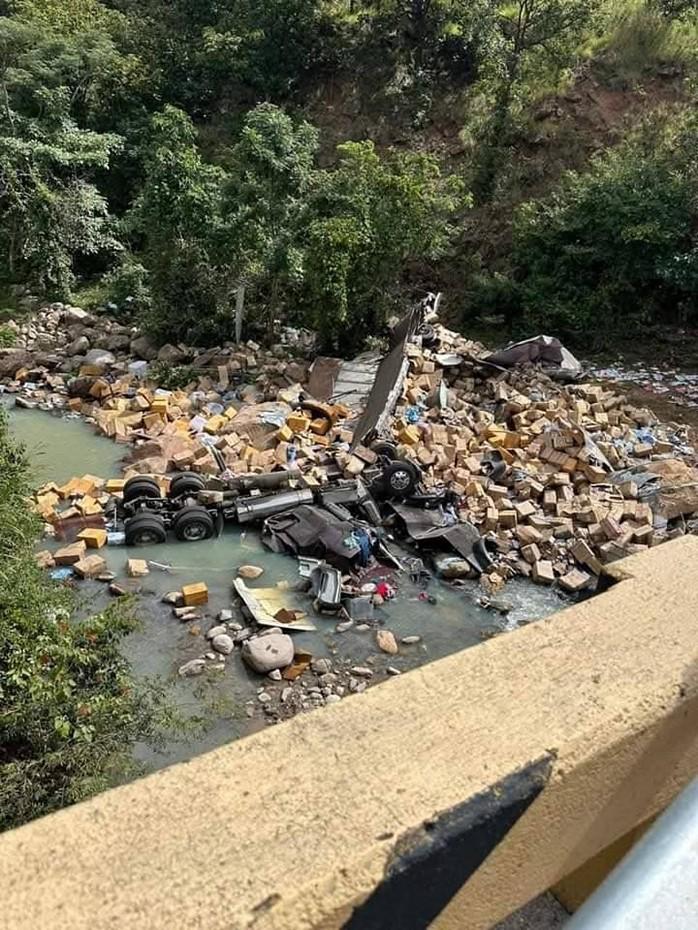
pixel 638 40
pixel 7 337
pixel 92 295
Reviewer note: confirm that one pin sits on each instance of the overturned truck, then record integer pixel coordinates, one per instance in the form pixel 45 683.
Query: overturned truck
pixel 340 521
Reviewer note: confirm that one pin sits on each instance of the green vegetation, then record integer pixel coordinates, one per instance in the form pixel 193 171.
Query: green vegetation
pixel 7 337
pixel 70 711
pixel 193 164
pixel 616 245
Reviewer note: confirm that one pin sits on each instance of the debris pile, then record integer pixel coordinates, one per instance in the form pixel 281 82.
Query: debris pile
pixel 482 470
pixel 536 464
pixel 531 463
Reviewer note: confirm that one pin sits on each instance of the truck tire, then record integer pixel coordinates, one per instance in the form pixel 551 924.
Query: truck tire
pixel 484 551
pixel 429 337
pixel 400 478
pixel 192 524
pixel 384 449
pixel 140 486
pixel 186 484
pixel 145 529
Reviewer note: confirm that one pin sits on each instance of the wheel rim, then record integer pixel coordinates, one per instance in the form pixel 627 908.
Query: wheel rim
pixel 147 538
pixel 400 480
pixel 193 532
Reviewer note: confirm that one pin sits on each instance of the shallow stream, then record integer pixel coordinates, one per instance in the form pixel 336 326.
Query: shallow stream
pixel 61 447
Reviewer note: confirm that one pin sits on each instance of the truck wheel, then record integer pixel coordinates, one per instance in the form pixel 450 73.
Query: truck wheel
pixel 193 524
pixel 145 529
pixel 384 449
pixel 400 478
pixel 140 486
pixel 484 551
pixel 186 484
pixel 429 337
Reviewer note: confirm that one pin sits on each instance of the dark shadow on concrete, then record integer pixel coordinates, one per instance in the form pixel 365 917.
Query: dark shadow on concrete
pixel 543 913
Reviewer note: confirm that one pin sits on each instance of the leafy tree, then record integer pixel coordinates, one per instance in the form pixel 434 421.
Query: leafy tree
pixel 177 215
pixel 52 210
pixel 617 244
pixel 265 205
pixel 372 218
pixel 675 9
pixel 531 34
pixel 243 50
pixel 70 711
pixel 68 19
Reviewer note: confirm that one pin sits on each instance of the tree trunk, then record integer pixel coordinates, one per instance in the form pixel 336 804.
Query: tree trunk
pixel 239 311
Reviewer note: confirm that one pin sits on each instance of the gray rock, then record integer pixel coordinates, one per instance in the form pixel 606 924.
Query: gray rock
pixel 99 357
pixel 171 355
pixel 410 640
pixel 451 567
pixel 175 598
pixel 224 616
pixel 241 635
pixel 76 315
pixel 344 626
pixel 192 668
pixel 275 674
pixel 223 643
pixel 118 342
pixel 332 699
pixel 216 631
pixel 78 346
pixel 270 631
pixel 391 670
pixel 143 348
pixel 264 698
pixel 321 666
pixel 265 653
pixel 11 360
pixel 361 671
pixel 286 695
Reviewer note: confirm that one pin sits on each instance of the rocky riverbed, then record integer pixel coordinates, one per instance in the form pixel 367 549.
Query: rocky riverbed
pixel 561 478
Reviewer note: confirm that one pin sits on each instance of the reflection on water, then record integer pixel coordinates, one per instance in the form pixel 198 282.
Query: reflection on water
pixel 66 447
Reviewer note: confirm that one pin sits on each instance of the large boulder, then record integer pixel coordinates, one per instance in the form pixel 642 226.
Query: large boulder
pixel 171 355
pixel 76 315
pixel 78 346
pixel 265 653
pixel 99 357
pixel 11 360
pixel 117 342
pixel 143 348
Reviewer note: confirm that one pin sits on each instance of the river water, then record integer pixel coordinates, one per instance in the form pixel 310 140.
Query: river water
pixel 61 447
